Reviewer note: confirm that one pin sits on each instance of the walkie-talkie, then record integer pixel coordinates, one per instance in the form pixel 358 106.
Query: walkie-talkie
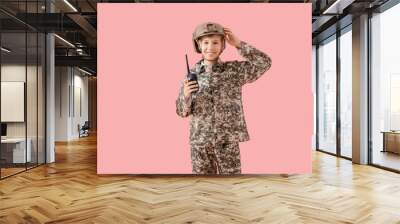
pixel 191 76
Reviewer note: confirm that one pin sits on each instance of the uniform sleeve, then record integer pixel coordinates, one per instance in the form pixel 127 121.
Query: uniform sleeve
pixel 183 107
pixel 256 64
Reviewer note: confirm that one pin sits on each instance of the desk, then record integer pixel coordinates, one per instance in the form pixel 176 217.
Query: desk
pixel 391 141
pixel 13 150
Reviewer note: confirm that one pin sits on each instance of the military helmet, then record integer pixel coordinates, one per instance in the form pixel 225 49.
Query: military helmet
pixel 205 29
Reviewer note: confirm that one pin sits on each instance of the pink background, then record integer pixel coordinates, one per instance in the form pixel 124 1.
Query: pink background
pixel 141 49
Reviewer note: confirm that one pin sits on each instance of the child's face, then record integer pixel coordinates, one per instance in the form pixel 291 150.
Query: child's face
pixel 211 47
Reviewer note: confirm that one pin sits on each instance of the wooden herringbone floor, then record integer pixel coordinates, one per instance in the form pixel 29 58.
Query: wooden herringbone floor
pixel 69 191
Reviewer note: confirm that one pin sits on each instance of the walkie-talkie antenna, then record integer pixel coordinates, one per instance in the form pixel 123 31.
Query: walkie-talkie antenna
pixel 187 64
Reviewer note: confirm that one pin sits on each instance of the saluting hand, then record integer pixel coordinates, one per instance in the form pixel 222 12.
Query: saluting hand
pixel 231 38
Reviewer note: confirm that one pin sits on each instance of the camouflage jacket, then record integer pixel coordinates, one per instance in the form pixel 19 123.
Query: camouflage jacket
pixel 216 108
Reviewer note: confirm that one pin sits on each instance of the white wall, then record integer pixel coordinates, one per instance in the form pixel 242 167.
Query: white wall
pixel 61 103
pixel 81 100
pixel 15 72
pixel 71 93
pixel 10 73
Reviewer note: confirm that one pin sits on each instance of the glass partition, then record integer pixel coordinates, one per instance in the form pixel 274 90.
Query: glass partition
pixel 13 109
pixel 22 77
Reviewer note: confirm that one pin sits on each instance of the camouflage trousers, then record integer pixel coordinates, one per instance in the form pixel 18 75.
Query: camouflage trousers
pixel 215 158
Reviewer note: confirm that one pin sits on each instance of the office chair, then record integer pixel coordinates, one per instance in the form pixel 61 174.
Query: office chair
pixel 84 130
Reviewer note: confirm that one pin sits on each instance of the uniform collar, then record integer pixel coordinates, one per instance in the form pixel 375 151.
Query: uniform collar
pixel 200 67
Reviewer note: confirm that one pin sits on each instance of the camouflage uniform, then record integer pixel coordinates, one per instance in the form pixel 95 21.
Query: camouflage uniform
pixel 217 121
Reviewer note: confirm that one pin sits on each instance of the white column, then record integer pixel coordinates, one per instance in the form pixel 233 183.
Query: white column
pixel 50 93
pixel 360 90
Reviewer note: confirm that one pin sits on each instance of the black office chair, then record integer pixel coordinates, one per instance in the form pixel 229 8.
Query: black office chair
pixel 84 130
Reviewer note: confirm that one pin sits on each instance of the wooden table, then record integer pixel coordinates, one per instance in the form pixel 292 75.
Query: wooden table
pixel 391 141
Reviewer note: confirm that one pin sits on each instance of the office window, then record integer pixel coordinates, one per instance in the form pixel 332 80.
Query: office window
pixel 385 90
pixel 314 76
pixel 327 95
pixel 346 92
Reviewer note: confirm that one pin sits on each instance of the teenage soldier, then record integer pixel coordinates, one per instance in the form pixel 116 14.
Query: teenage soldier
pixel 214 102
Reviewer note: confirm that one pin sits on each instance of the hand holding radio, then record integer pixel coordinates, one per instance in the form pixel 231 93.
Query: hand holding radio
pixel 190 84
pixel 189 87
